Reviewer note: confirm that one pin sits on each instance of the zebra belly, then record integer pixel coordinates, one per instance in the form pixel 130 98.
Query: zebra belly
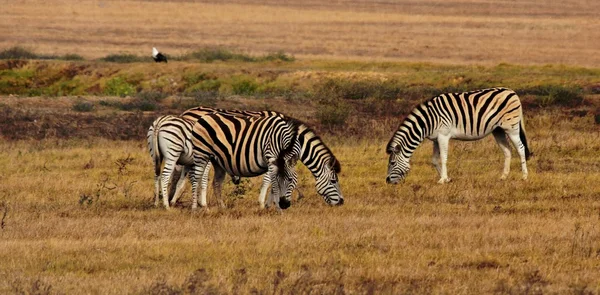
pixel 457 134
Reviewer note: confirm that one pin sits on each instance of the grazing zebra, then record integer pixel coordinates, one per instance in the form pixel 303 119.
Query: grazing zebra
pixel 246 146
pixel 314 154
pixel 169 141
pixel 463 116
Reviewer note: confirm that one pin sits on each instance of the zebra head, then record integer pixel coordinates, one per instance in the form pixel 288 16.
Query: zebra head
pixel 285 182
pixel 327 183
pixel 398 165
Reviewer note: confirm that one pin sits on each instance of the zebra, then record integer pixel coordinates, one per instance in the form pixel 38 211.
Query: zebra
pixel 169 141
pixel 314 154
pixel 463 116
pixel 246 146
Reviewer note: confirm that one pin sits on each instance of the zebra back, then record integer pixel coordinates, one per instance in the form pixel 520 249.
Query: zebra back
pixel 473 114
pixel 240 143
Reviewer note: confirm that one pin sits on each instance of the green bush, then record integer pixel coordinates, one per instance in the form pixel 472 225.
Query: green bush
pixel 117 86
pixel 16 81
pixel 206 85
pixel 83 106
pixel 243 85
pixel 17 52
pixel 65 87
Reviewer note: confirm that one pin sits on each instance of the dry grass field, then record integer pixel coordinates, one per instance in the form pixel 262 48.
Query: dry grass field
pixel 77 217
pixel 463 32
pixel 76 180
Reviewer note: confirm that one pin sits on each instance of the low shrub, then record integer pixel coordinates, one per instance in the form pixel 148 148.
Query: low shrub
pixel 243 85
pixel 215 54
pixel 83 106
pixel 72 57
pixel 117 86
pixel 549 95
pixel 17 52
pixel 333 112
pixel 123 58
pixel 151 95
pixel 211 54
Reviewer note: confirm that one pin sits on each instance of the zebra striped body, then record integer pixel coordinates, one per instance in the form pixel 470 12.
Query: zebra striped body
pixel 314 154
pixel 172 136
pixel 463 116
pixel 169 141
pixel 246 146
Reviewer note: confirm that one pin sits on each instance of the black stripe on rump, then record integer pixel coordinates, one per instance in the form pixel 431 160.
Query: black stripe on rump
pixel 500 109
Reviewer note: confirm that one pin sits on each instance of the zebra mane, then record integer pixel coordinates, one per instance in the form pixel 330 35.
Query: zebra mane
pixel 333 161
pixel 289 149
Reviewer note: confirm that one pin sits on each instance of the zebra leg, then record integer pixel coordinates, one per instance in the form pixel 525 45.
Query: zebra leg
pixel 502 141
pixel 156 189
pixel 443 146
pixel 264 189
pixel 218 184
pixel 435 158
pixel 516 140
pixel 195 173
pixel 204 185
pixel 180 185
pixel 166 179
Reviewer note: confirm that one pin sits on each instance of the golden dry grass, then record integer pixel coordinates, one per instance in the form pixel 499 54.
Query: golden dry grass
pixel 474 31
pixel 474 235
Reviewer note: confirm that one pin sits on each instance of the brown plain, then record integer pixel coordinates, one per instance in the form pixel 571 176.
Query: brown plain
pixel 76 215
pixel 457 32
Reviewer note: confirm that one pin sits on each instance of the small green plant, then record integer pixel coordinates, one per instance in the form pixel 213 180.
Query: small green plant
pixel 83 106
pixel 243 85
pixel 117 86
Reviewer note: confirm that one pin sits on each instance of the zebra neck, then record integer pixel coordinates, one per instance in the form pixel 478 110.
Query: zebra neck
pixel 417 126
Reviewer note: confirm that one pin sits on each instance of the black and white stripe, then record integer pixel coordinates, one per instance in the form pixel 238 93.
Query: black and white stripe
pixel 246 146
pixel 463 116
pixel 314 154
pixel 169 141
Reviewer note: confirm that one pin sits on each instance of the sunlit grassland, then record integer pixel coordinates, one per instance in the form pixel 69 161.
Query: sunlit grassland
pixel 473 32
pixel 476 234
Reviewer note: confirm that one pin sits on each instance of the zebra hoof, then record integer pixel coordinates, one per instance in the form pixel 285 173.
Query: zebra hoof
pixel 444 180
pixel 503 177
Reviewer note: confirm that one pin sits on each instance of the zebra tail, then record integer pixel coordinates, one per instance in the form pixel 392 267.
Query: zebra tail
pixel 528 154
pixel 157 154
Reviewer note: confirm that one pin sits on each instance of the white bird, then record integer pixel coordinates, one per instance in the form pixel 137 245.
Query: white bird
pixel 157 56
